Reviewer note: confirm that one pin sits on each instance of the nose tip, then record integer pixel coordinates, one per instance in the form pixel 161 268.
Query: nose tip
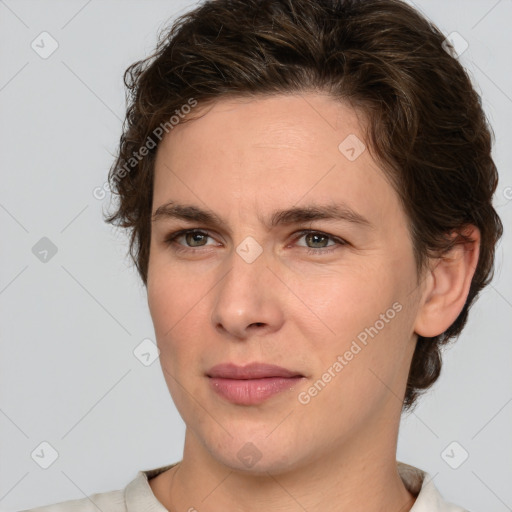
pixel 239 329
pixel 245 294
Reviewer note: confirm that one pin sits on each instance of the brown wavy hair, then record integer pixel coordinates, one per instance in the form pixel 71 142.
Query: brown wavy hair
pixel 426 125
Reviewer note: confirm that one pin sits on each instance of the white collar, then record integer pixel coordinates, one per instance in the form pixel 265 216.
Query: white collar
pixel 421 485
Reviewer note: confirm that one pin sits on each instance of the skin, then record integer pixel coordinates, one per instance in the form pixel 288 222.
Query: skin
pixel 243 159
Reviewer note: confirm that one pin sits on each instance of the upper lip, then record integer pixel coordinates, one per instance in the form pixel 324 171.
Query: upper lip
pixel 250 371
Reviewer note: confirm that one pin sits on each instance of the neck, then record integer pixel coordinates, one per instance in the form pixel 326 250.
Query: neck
pixel 360 475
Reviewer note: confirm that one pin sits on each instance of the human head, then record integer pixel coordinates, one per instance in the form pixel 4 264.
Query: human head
pixel 425 123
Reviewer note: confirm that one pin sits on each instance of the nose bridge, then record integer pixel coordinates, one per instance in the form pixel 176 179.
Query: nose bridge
pixel 244 296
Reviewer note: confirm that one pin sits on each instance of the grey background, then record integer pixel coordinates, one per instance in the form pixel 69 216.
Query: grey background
pixel 69 325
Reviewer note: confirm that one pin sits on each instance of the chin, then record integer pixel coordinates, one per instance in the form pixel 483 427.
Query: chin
pixel 251 464
pixel 256 453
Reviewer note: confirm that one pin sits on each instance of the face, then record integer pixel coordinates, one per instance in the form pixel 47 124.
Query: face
pixel 278 240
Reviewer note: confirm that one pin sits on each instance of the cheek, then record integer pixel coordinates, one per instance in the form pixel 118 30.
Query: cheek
pixel 171 292
pixel 361 369
pixel 166 308
pixel 178 303
pixel 174 301
pixel 362 315
pixel 345 301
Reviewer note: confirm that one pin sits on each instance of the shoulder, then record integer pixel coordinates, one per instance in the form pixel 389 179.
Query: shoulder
pixel 137 495
pixel 112 501
pixel 421 484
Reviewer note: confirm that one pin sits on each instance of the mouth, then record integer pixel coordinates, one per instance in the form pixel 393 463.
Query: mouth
pixel 251 384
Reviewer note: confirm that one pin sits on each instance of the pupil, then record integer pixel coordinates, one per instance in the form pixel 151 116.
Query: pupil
pixel 194 237
pixel 313 237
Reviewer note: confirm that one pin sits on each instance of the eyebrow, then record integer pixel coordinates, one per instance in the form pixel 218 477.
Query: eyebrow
pixel 293 215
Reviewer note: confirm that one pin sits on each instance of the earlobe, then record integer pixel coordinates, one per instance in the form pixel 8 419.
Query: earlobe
pixel 447 285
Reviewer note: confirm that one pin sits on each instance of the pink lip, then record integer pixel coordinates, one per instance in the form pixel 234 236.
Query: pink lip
pixel 251 384
pixel 250 371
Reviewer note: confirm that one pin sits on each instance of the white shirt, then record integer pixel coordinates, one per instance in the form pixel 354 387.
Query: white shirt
pixel 138 496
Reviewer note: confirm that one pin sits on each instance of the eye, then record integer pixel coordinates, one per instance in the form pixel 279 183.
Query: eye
pixel 192 239
pixel 317 242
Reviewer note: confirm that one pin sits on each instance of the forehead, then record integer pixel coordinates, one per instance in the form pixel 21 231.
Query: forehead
pixel 309 122
pixel 243 154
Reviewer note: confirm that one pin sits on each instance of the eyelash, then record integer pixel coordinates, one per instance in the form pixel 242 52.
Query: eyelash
pixel 170 240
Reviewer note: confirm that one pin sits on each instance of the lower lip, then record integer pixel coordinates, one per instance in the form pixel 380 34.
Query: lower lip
pixel 252 391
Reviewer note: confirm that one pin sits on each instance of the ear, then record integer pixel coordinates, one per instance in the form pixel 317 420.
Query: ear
pixel 446 285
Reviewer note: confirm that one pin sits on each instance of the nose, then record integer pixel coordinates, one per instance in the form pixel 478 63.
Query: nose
pixel 247 300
